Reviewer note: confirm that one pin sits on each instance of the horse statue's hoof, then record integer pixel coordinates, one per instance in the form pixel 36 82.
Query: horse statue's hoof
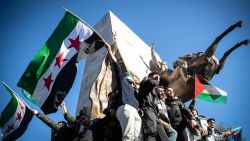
pixel 246 42
pixel 239 23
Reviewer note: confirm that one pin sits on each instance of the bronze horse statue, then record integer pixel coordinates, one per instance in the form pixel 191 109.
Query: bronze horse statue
pixel 204 64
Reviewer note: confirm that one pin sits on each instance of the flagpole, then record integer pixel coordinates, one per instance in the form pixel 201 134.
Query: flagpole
pixel 194 83
pixel 16 95
pixel 85 23
pixel 194 96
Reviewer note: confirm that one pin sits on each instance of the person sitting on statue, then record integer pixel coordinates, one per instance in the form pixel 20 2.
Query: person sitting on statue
pixel 163 113
pixel 59 131
pixel 128 105
pixel 153 129
pixel 178 115
pixel 202 130
pixel 200 121
pixel 214 134
pixel 110 111
pixel 81 124
pixel 108 128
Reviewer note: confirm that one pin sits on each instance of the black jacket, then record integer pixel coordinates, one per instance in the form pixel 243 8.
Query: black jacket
pixel 107 129
pixel 176 112
pixel 146 95
pixel 85 135
pixel 148 103
pixel 59 131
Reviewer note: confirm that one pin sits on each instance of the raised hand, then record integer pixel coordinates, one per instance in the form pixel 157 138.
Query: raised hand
pixel 64 108
pixel 34 111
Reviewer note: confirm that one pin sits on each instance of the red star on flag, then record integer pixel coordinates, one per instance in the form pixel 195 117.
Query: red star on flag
pixel 9 128
pixel 47 81
pixel 21 106
pixel 19 116
pixel 74 43
pixel 59 60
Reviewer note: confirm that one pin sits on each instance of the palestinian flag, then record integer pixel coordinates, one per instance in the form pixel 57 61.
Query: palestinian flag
pixel 14 118
pixel 51 73
pixel 209 93
pixel 236 136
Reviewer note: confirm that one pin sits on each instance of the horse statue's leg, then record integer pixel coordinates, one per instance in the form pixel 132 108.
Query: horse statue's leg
pixel 211 49
pixel 227 53
pixel 183 73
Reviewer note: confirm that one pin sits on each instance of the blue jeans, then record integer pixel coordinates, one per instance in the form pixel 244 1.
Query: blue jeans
pixel 172 134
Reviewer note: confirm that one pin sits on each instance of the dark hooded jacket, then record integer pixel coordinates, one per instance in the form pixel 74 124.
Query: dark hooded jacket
pixel 148 103
pixel 177 112
pixel 59 131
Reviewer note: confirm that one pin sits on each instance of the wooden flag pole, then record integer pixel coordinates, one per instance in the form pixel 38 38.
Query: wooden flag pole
pixel 15 94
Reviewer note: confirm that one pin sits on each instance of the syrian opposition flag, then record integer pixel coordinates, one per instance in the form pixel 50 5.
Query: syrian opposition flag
pixel 14 118
pixel 236 136
pixel 51 73
pixel 209 93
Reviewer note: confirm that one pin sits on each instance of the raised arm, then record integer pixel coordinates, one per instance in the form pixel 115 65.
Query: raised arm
pixel 117 67
pixel 64 108
pixel 108 47
pixel 192 104
pixel 46 120
pixel 124 87
pixel 66 115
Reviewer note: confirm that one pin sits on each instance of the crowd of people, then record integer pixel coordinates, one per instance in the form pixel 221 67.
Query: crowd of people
pixel 150 113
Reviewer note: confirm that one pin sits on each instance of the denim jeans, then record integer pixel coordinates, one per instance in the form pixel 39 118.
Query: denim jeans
pixel 172 134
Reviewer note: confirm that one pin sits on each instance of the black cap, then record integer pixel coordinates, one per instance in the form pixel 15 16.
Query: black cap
pixel 164 81
pixel 211 119
pixel 84 111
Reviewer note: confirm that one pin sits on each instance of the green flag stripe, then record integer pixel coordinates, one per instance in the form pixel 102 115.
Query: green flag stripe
pixel 13 120
pixel 29 97
pixel 9 111
pixel 210 98
pixel 19 130
pixel 42 60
